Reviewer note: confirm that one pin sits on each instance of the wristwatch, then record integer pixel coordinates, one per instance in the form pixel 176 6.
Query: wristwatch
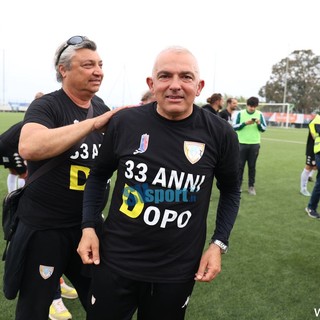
pixel 223 247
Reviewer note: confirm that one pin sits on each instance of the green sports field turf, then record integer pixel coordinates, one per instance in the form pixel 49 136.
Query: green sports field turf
pixel 272 269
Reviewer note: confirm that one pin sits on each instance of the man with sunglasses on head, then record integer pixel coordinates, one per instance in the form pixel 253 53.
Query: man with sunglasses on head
pixel 51 207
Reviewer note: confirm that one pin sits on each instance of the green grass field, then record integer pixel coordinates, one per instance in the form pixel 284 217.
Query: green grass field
pixel 271 271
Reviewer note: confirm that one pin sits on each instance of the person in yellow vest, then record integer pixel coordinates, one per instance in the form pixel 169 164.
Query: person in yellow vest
pixel 249 124
pixel 310 166
pixel 311 209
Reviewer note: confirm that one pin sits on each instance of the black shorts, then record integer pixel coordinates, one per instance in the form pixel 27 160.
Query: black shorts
pixel 118 298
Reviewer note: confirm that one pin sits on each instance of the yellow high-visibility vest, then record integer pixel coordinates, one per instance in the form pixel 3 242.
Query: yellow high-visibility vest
pixel 314 127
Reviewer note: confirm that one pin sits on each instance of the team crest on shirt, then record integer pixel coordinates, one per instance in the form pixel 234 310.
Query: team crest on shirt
pixel 45 271
pixel 193 151
pixel 144 142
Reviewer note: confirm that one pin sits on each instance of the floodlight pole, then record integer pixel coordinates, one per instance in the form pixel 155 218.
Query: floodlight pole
pixel 124 85
pixel 285 91
pixel 214 72
pixel 3 78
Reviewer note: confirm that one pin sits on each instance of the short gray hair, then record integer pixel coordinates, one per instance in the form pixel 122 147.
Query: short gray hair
pixel 68 51
pixel 177 49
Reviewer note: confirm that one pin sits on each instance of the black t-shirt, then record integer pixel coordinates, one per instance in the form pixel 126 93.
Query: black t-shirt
pixel 156 226
pixel 54 200
pixel 10 138
pixel 225 115
pixel 209 108
pixel 9 153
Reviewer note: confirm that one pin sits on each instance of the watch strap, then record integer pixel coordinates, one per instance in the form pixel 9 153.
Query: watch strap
pixel 223 247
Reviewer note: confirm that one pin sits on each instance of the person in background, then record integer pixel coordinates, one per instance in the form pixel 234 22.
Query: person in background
pixel 11 159
pixel 147 97
pixel 310 167
pixel 167 155
pixel 38 95
pixel 311 209
pixel 249 124
pixel 50 208
pixel 226 114
pixel 214 103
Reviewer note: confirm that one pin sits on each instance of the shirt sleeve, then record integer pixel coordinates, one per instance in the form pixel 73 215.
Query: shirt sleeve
pixel 94 193
pixel 263 125
pixel 228 183
pixel 237 125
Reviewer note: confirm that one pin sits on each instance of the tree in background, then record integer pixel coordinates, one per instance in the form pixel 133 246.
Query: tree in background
pixel 301 71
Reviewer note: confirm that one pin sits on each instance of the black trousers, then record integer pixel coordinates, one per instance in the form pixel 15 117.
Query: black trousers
pixel 50 254
pixel 113 297
pixel 249 154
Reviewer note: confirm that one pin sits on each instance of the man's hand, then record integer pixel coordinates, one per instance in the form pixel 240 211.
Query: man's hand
pixel 38 142
pixel 101 121
pixel 251 121
pixel 88 248
pixel 210 264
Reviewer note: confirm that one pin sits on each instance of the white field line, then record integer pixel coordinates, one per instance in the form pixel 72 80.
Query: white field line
pixel 280 140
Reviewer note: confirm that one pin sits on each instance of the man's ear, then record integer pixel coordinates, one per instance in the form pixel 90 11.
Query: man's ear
pixel 150 83
pixel 200 87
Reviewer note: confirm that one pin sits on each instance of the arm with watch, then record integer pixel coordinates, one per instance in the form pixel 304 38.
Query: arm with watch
pixel 223 247
pixel 210 263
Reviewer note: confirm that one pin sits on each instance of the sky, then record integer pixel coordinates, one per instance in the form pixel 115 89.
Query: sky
pixel 236 42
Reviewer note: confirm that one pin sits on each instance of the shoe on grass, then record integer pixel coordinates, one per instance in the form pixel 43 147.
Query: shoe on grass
pixel 58 311
pixel 252 191
pixel 67 291
pixel 305 192
pixel 312 213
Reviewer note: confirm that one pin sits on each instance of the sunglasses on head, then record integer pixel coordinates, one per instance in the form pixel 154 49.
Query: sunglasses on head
pixel 73 41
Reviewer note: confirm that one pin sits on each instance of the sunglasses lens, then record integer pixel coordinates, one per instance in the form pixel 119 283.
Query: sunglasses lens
pixel 75 40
